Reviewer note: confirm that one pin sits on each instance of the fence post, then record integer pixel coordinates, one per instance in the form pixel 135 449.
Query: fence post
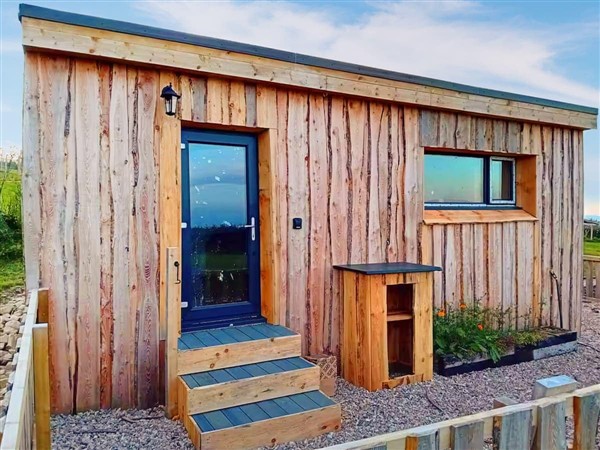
pixel 586 411
pixel 41 374
pixel 512 430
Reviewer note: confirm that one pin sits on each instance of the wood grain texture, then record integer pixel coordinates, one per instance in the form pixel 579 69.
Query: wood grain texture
pixel 512 430
pixel 586 412
pixel 350 167
pixel 60 37
pixel 467 437
pixel 550 432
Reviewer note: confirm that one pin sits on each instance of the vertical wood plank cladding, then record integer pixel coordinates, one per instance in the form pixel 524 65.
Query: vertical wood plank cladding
pixel 106 233
pixel 352 169
pixel 199 105
pixel 57 220
pixel 509 273
pixel 357 153
pixel 250 98
pixel 186 100
pixel 281 201
pixel 577 234
pixel 495 264
pixel 413 182
pixel 439 278
pixel 340 175
pixel 266 110
pixel 237 103
pixel 546 226
pixel 146 228
pixel 566 274
pixel 395 245
pixel 31 176
pixel 480 263
pixel 87 125
pixel 468 266
pixel 556 184
pixel 298 197
pixel 167 141
pixel 525 269
pixel 121 182
pixel 319 255
pixel 217 106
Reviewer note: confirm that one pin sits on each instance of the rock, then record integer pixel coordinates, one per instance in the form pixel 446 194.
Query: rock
pixel 6 309
pixel 12 341
pixel 5 358
pixel 16 324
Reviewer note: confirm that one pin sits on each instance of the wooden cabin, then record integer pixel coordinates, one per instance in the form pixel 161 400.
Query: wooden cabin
pixel 155 233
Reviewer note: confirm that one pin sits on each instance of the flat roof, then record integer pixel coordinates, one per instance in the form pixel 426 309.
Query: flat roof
pixel 38 12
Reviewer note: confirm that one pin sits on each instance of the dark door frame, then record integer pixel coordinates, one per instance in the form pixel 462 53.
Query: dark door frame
pixel 225 314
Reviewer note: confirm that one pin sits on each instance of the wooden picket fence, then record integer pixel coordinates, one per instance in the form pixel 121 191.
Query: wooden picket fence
pixel 591 276
pixel 537 424
pixel 27 423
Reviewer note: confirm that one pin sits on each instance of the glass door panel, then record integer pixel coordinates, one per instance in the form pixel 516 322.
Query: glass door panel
pixel 220 241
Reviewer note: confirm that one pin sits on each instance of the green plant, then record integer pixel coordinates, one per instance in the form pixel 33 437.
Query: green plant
pixel 468 331
pixel 523 337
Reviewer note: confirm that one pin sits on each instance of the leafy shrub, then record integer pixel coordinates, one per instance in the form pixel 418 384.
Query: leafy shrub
pixel 471 330
pixel 468 331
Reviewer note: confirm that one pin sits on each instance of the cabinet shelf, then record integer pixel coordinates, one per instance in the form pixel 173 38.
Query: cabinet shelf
pixel 400 315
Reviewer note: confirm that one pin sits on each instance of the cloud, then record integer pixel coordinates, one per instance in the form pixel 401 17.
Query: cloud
pixel 458 41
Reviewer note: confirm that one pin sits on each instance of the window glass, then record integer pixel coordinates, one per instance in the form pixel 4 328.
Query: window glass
pixel 501 179
pixel 454 179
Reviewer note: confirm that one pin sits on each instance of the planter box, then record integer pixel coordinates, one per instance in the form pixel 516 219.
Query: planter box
pixel 556 343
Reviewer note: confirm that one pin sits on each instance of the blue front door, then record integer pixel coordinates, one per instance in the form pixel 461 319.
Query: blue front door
pixel 220 236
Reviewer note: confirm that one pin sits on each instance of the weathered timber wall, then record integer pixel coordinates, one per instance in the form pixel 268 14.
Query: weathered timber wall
pixel 351 168
pixel 510 264
pixel 91 226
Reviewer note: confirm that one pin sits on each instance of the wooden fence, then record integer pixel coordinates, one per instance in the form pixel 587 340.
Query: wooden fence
pixel 28 418
pixel 591 276
pixel 538 424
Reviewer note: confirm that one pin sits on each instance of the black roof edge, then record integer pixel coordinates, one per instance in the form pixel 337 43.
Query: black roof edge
pixel 38 12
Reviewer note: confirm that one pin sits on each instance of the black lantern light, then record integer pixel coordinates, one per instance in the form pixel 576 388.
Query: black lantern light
pixel 171 97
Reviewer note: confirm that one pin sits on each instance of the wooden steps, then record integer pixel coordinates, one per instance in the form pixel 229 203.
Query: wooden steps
pixel 206 391
pixel 268 422
pixel 220 348
pixel 245 387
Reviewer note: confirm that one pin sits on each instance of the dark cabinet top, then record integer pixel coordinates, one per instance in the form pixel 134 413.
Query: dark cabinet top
pixel 387 268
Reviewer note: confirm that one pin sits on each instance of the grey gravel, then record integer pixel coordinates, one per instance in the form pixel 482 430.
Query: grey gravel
pixel 111 430
pixel 364 413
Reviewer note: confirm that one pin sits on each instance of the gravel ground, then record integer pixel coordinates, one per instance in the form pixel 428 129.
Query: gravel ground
pixel 364 413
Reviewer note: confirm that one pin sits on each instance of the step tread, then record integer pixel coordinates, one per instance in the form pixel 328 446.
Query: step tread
pixel 263 410
pixel 231 335
pixel 245 371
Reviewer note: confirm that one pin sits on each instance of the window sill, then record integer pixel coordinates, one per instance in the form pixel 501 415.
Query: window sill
pixel 450 216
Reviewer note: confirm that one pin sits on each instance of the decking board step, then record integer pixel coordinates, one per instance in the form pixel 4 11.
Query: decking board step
pixel 245 371
pixel 263 410
pixel 231 335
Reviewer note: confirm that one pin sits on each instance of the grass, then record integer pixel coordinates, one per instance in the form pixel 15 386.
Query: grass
pixel 591 248
pixel 11 248
pixel 11 273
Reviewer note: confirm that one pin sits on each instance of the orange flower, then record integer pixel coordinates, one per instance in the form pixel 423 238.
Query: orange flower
pixel 441 313
pixel 480 327
pixel 463 306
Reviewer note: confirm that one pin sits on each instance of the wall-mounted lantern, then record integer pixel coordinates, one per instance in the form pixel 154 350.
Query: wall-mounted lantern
pixel 171 97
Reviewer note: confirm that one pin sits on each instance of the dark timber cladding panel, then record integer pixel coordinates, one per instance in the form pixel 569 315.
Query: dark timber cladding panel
pixel 351 168
pixel 505 264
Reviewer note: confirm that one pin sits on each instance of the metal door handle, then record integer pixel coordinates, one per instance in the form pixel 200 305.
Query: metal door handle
pixel 252 226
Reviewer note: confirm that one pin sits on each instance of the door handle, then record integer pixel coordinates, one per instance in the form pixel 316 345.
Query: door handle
pixel 252 226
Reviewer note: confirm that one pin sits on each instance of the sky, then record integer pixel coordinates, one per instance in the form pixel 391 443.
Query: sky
pixel 549 49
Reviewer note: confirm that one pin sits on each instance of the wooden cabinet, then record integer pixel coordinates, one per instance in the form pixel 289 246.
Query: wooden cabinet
pixel 387 333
